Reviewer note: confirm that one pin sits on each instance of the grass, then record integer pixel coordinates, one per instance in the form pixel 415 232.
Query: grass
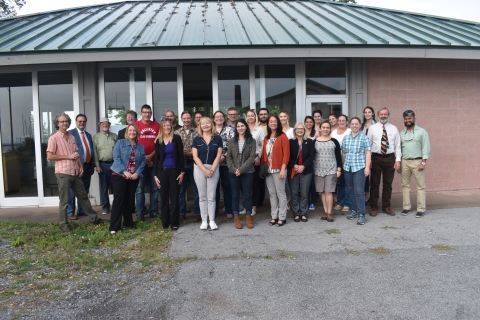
pixel 379 250
pixel 332 231
pixel 388 227
pixel 40 257
pixel 441 247
pixel 354 252
pixel 282 254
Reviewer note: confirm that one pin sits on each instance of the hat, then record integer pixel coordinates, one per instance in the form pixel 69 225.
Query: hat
pixel 104 119
pixel 409 113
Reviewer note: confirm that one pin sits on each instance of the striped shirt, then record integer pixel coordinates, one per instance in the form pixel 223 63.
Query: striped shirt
pixel 63 144
pixel 355 148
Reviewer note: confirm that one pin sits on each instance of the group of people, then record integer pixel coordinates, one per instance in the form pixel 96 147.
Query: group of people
pixel 342 160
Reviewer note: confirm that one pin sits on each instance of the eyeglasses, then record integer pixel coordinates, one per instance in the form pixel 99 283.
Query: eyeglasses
pixel 80 121
pixel 146 112
pixel 410 136
pixel 65 121
pixel 233 114
pixel 300 129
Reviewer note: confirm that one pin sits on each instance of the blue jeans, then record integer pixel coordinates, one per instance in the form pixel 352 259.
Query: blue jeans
pixel 312 192
pixel 148 173
pixel 245 181
pixel 105 179
pixel 183 188
pixel 86 178
pixel 356 184
pixel 343 192
pixel 227 193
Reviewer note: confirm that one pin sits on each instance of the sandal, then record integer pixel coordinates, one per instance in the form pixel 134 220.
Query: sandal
pixel 330 217
pixel 273 222
pixel 283 222
pixel 297 219
pixel 324 217
pixel 304 219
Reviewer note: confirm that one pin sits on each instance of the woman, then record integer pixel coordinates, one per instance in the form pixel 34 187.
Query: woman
pixel 302 154
pixel 342 189
pixel 311 133
pixel 368 121
pixel 276 153
pixel 317 117
pixel 356 167
pixel 284 118
pixel 206 151
pixel 327 167
pixel 241 154
pixel 127 168
pixel 258 188
pixel 226 133
pixel 333 121
pixel 169 170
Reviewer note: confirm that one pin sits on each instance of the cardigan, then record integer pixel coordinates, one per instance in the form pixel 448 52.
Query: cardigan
pixel 177 154
pixel 308 154
pixel 248 155
pixel 280 152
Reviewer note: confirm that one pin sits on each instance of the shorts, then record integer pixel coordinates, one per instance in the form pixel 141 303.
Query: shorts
pixel 326 184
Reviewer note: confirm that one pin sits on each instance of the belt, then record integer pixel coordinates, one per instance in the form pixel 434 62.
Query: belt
pixel 419 158
pixel 109 162
pixel 384 155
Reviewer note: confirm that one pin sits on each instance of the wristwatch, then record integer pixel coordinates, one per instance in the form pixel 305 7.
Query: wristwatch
pixel 423 163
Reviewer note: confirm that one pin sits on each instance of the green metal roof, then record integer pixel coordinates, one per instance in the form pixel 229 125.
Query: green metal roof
pixel 167 24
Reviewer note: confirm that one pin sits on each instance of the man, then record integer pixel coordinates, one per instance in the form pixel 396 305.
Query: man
pixel 170 115
pixel 232 114
pixel 386 156
pixel 263 118
pixel 130 117
pixel 68 169
pixel 198 115
pixel 415 153
pixel 103 144
pixel 84 142
pixel 148 133
pixel 187 133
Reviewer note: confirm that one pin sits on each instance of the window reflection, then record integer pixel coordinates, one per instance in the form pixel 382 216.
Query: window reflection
pixel 325 77
pixel 197 88
pixel 165 95
pixel 327 108
pixel 234 88
pixel 275 89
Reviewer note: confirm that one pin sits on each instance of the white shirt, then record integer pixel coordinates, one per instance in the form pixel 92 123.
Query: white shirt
pixel 289 133
pixel 394 144
pixel 258 134
pixel 339 137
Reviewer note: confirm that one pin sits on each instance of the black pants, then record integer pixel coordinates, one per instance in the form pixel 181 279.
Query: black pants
pixel 381 165
pixel 123 202
pixel 169 189
pixel 258 188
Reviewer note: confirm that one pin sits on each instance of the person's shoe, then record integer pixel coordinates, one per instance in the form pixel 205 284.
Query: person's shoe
pixel 66 228
pixel 288 208
pixel 244 211
pixel 229 216
pixel 389 211
pixel 419 214
pixel 204 225
pixel 330 218
pixel 249 221
pixel 311 207
pixel 197 218
pixel 346 209
pixel 254 212
pixel 72 217
pixel 361 221
pixel 213 225
pixel 182 218
pixel 237 223
pixel 324 217
pixel 104 212
pixel 338 207
pixel 113 233
pixel 140 218
pixel 189 211
pixel 373 212
pixel 352 215
pixel 405 212
pixel 98 221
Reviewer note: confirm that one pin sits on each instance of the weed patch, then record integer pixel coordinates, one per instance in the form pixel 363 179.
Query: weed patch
pixel 442 247
pixel 332 231
pixel 379 250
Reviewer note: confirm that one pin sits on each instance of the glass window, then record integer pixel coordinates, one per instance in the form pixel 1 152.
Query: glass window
pixel 125 89
pixel 234 89
pixel 18 144
pixel 165 95
pixel 197 88
pixel 327 108
pixel 275 89
pixel 325 77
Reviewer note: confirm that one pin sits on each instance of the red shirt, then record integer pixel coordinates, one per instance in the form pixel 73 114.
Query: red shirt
pixel 148 134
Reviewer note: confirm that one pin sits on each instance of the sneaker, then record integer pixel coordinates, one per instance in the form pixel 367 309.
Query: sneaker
pixel 253 212
pixel 346 209
pixel 244 211
pixel 213 225
pixel 405 212
pixel 352 215
pixel 361 221
pixel 338 207
pixel 104 212
pixel 311 207
pixel 419 214
pixel 204 225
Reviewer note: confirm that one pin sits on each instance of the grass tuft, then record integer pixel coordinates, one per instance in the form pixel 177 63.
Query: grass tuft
pixel 388 227
pixel 379 250
pixel 442 247
pixel 332 231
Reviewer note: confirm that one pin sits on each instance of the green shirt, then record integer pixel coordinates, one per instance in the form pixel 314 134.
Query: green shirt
pixel 415 143
pixel 103 145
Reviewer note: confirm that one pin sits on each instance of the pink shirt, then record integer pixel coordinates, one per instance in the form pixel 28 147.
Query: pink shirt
pixel 63 144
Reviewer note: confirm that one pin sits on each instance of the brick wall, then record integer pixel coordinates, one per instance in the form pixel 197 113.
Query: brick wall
pixel 445 95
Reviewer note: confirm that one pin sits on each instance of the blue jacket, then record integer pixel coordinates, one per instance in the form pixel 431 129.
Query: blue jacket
pixel 81 152
pixel 121 155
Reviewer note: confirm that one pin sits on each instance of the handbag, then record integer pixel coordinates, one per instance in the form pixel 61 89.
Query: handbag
pixel 263 170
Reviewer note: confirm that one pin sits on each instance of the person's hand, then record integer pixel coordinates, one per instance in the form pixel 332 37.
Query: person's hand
pixel 180 179
pixel 80 172
pixel 300 169
pixel 281 175
pixel 256 162
pixel 127 174
pixel 207 173
pixel 421 167
pixel 73 156
pixel 150 164
pixel 366 172
pixel 397 166
pixel 157 181
pixel 339 173
pixel 99 169
pixel 149 157
pixel 237 173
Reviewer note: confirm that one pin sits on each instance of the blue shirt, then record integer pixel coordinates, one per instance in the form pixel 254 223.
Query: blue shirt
pixel 355 148
pixel 169 162
pixel 207 152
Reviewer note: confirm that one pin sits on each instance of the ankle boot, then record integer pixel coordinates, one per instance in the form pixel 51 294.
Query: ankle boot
pixel 236 221
pixel 249 222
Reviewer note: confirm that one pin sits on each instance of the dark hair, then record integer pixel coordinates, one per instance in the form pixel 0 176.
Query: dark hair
pixel 248 134
pixel 132 112
pixel 223 114
pixel 332 114
pixel 268 112
pixel 199 112
pixel 365 120
pixel 185 112
pixel 80 115
pixel 146 106
pixel 312 133
pixel 317 111
pixel 342 115
pixel 355 118
pixel 279 131
pixel 321 123
pixel 58 115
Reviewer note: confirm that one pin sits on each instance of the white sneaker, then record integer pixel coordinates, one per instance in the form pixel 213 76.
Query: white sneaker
pixel 288 208
pixel 104 212
pixel 254 212
pixel 213 225
pixel 204 225
pixel 244 211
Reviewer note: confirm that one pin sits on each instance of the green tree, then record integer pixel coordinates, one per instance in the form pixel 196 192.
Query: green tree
pixel 9 8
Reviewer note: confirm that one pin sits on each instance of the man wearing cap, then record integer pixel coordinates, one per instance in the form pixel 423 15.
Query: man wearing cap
pixel 415 153
pixel 84 142
pixel 103 144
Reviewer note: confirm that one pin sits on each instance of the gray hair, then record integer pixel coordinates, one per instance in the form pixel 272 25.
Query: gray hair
pixel 383 108
pixel 57 116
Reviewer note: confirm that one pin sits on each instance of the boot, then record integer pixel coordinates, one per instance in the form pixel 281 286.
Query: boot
pixel 236 221
pixel 249 222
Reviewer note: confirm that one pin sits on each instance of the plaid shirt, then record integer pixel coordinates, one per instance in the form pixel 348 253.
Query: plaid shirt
pixel 354 149
pixel 187 139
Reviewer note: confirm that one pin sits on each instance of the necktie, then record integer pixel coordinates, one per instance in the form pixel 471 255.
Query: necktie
pixel 87 149
pixel 384 141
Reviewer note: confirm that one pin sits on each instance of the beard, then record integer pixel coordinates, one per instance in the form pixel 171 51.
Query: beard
pixel 383 121
pixel 409 124
pixel 262 121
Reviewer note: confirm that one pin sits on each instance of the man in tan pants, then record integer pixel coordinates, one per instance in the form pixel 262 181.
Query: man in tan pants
pixel 415 153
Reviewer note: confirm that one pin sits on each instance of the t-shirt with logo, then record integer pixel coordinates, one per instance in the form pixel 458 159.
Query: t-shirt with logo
pixel 148 134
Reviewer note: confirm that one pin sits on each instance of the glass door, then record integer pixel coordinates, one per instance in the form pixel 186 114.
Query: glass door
pixel 328 105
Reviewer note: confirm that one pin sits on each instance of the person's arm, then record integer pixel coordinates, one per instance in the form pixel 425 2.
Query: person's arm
pixel 217 159
pixel 286 156
pixel 230 162
pixel 95 154
pixel 55 157
pixel 338 157
pixel 141 164
pixel 368 157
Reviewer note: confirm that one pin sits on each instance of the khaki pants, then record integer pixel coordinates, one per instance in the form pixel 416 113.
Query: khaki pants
pixel 410 167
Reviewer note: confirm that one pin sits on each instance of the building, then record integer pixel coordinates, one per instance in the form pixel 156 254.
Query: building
pixel 210 55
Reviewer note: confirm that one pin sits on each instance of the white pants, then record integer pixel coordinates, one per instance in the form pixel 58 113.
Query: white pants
pixel 278 198
pixel 207 188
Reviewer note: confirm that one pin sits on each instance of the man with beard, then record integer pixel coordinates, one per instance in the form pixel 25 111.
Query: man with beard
pixel 263 118
pixel 415 152
pixel 386 156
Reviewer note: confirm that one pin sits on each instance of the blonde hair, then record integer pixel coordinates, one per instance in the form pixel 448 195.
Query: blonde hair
pixel 256 117
pixel 304 131
pixel 160 135
pixel 136 130
pixel 212 125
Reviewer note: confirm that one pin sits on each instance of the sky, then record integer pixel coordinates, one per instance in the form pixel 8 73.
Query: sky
pixel 464 9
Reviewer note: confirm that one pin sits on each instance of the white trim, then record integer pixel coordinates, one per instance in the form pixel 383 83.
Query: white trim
pixel 38 137
pixel 101 92
pixel 149 84
pixel 181 105
pixel 215 102
pixel 300 90
pixel 343 99
pixel 251 79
